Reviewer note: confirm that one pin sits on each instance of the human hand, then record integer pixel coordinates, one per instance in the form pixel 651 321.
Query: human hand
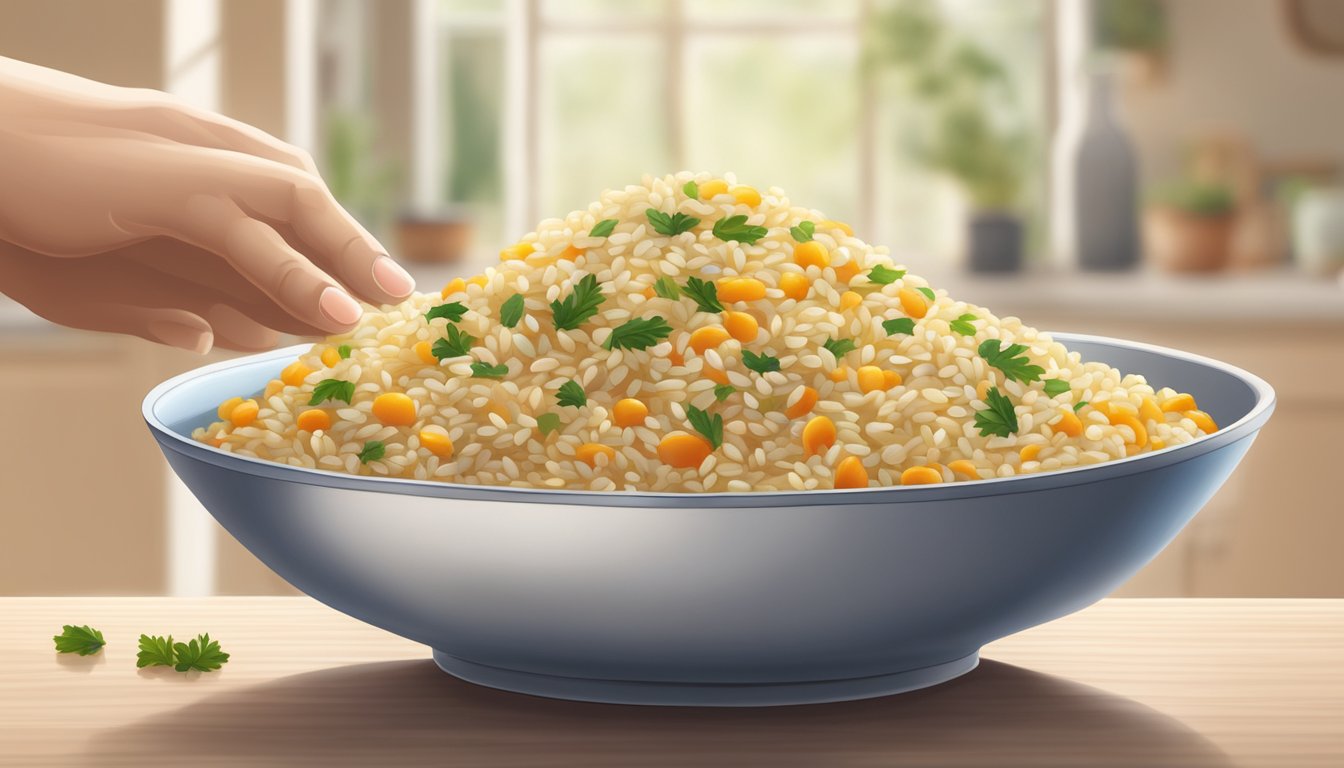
pixel 125 210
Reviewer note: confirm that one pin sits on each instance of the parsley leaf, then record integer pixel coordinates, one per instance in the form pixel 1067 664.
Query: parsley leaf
pixel 897 325
pixel 667 288
pixel 457 344
pixel 1079 406
pixel 343 351
pixel 202 653
pixel 373 450
pixel 548 423
pixel 638 334
pixel 705 295
pixel 453 311
pixel 571 393
pixel 1054 387
pixel 691 190
pixel 884 275
pixel 999 418
pixel 737 228
pixel 723 392
pixel 511 311
pixel 928 293
pixel 155 651
pixel 963 325
pixel 579 305
pixel 603 228
pixel 709 427
pixel 803 232
pixel 332 389
pixel 1015 365
pixel 840 347
pixel 671 225
pixel 759 363
pixel 84 640
pixel 481 370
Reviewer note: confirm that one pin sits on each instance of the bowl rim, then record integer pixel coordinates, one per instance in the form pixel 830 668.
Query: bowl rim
pixel 1243 428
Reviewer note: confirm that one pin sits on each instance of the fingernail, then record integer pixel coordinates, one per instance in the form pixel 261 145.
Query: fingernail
pixel 389 276
pixel 182 336
pixel 339 307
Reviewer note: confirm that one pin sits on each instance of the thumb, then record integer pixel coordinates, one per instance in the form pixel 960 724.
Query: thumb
pixel 174 327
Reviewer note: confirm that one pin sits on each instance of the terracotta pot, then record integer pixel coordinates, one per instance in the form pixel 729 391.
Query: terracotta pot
pixel 434 239
pixel 1181 242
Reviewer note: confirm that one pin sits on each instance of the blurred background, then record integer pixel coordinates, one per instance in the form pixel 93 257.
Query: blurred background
pixel 1162 170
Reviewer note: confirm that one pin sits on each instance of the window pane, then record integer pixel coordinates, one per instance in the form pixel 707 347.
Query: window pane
pixel 602 115
pixel 778 111
pixel 771 10
pixel 474 79
pixel 602 10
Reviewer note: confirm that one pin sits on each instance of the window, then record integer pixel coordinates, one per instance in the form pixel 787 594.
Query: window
pixel 546 102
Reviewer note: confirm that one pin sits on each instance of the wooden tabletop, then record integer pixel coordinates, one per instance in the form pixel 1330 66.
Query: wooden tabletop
pixel 1124 683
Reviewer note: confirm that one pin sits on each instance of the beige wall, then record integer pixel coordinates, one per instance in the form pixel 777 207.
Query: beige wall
pixel 1233 69
pixel 117 42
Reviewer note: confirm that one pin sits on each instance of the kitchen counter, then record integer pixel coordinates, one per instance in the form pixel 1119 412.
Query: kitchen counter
pixel 1126 682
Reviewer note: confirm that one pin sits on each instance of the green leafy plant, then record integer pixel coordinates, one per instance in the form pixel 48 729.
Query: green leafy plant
pixel 84 640
pixel 999 418
pixel 456 344
pixel 571 393
pixel 638 333
pixel 579 305
pixel 332 389
pixel 1194 198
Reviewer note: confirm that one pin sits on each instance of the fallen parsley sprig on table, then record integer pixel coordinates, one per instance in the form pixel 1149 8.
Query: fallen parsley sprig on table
pixel 84 640
pixel 201 654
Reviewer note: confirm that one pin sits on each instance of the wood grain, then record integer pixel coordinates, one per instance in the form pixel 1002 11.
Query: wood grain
pixel 1124 683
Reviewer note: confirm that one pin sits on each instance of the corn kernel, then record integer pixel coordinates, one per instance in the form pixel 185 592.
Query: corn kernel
pixel 846 272
pixel 839 374
pixel 394 409
pixel 425 351
pixel 891 379
pixel 794 285
pixel 740 289
pixel 313 419
pixel 516 251
pixel 226 407
pixel 1149 410
pixel 840 225
pixel 571 253
pixel 741 326
pixel 1179 403
pixel 456 285
pixel 811 254
pixel 1069 423
pixel 244 413
pixel 713 188
pixel 709 337
pixel 965 468
pixel 436 441
pixel 1202 420
pixel 629 412
pixel 818 435
pixel 1028 453
pixel 871 379
pixel 805 403
pixel 273 388
pixel 330 357
pixel 913 302
pixel 921 476
pixel 295 373
pixel 745 195
pixel 850 300
pixel 683 451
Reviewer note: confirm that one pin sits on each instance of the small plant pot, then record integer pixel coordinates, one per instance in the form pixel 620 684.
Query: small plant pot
pixel 438 239
pixel 995 242
pixel 1177 241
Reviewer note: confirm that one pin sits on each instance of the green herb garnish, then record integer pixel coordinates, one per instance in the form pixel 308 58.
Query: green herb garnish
pixel 704 294
pixel 723 392
pixel 638 333
pixel 456 344
pixel 1015 365
pixel 453 310
pixel 579 305
pixel 511 311
pixel 709 427
pixel 999 418
pixel 691 190
pixel 343 351
pixel 804 231
pixel 373 450
pixel 737 228
pixel 1054 387
pixel 84 640
pixel 840 347
pixel 156 651
pixel 670 225
pixel 202 653
pixel 1080 406
pixel 897 325
pixel 759 363
pixel 603 228
pixel 571 393
pixel 667 288
pixel 928 293
pixel 332 389
pixel 481 370
pixel 885 275
pixel 963 325
pixel 548 423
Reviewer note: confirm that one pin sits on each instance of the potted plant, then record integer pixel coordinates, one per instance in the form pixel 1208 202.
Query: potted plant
pixel 1188 225
pixel 969 125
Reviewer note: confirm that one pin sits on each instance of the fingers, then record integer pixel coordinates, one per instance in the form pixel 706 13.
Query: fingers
pixel 164 325
pixel 330 236
pixel 235 330
pixel 262 256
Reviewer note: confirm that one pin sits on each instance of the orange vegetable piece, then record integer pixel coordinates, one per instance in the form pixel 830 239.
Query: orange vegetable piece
pixel 794 285
pixel 244 413
pixel 1202 420
pixel 295 373
pixel 740 289
pixel 683 450
pixel 921 476
pixel 313 419
pixel 846 272
pixel 424 351
pixel 913 302
pixel 851 474
pixel 226 407
pixel 629 412
pixel 740 325
pixel 708 337
pixel 965 468
pixel 1069 423
pixel 818 435
pixel 806 402
pixel 588 453
pixel 436 442
pixel 811 254
pixel 394 409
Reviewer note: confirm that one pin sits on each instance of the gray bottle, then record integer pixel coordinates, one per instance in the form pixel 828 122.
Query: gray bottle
pixel 1105 186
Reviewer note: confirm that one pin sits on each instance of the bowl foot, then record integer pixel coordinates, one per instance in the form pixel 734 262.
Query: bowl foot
pixel 704 694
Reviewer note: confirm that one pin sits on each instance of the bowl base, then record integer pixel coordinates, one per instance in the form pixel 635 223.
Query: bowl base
pixel 704 694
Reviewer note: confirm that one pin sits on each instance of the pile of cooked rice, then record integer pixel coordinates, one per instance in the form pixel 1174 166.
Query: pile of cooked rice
pixel 692 334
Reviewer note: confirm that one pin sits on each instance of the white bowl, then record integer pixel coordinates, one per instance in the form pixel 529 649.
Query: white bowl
pixel 713 599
